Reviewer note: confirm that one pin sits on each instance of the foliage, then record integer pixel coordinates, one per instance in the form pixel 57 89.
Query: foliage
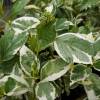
pixel 47 47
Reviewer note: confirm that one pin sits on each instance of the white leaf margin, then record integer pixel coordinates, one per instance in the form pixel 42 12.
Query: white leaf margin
pixel 53 94
pixel 25 18
pixel 75 59
pixel 56 75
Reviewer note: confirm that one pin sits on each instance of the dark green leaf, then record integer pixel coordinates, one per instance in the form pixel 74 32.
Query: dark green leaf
pixel 10 85
pixel 46 35
pixel 10 43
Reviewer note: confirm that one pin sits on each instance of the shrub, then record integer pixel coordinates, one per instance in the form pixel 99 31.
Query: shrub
pixel 48 47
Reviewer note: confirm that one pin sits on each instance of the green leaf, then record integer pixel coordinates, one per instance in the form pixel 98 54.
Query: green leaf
pixel 7 66
pixel 45 91
pixel 97 57
pixel 62 24
pixel 18 6
pixel 46 35
pixel 10 44
pixel 53 70
pixel 90 94
pixel 92 87
pixel 78 73
pixel 18 90
pixel 17 70
pixel 19 79
pixel 73 47
pixel 24 24
pixel 2 91
pixel 10 85
pixel 66 80
pixel 27 58
pixel 96 65
pixel 3 80
pixel 17 85
pixel 97 46
pixel 95 79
